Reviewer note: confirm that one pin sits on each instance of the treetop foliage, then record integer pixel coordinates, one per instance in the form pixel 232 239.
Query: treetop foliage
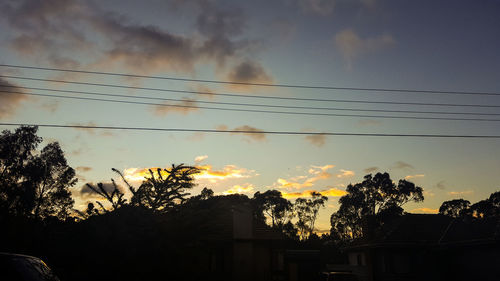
pixel 34 183
pixel 375 196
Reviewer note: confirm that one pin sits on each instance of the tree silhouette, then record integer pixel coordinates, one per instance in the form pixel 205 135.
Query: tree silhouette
pixel 115 196
pixel 454 208
pixel 272 204
pixel 307 212
pixel 34 184
pixel 375 196
pixel 487 208
pixel 160 192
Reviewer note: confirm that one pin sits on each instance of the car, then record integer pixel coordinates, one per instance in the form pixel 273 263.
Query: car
pixel 339 276
pixel 15 267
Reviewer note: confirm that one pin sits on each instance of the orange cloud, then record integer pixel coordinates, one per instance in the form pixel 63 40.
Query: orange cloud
pixel 345 174
pixel 409 177
pixel 237 189
pixel 229 171
pixel 332 192
pixel 317 172
pixel 425 211
pixel 461 193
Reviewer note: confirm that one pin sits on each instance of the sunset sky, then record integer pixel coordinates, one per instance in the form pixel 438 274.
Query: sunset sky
pixel 445 45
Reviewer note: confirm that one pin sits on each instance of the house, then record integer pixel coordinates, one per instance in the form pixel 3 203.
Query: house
pixel 242 248
pixel 428 247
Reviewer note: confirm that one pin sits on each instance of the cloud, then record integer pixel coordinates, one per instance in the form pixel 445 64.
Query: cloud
pixel 429 194
pixel 228 172
pixel 83 169
pixel 198 136
pixel 61 31
pixel 320 7
pixel 345 174
pixel 425 210
pixel 92 131
pixel 238 189
pixel 332 192
pixel 402 165
pixel 410 177
pixel 441 185
pixel 200 158
pixel 317 173
pixel 86 192
pixel 370 170
pixel 317 140
pixel 351 45
pixel 249 72
pixel 461 193
pixel 184 107
pixel 9 102
pixel 251 132
pixel 50 106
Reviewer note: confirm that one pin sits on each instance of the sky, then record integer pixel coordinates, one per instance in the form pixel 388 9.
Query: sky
pixel 446 45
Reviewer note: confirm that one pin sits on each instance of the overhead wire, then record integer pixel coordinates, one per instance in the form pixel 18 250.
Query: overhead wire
pixel 229 103
pixel 249 131
pixel 257 84
pixel 260 111
pixel 247 96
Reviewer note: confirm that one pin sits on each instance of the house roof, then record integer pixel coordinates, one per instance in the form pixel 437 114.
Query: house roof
pixel 431 229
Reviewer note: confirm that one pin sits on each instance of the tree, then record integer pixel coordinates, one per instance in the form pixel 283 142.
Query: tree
pixel 272 204
pixel 376 196
pixel 115 196
pixel 34 184
pixel 487 208
pixel 454 208
pixel 160 192
pixel 307 212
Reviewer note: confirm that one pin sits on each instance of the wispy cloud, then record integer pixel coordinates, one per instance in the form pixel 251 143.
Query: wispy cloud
pixel 83 169
pixel 425 210
pixel 57 31
pixel 239 189
pixel 184 107
pixel 461 193
pixel 332 192
pixel 200 158
pixel 249 72
pixel 317 140
pixel 10 102
pixel 227 172
pixel 345 174
pixel 92 131
pixel 402 165
pixel 370 170
pixel 411 177
pixel 441 185
pixel 250 132
pixel 316 173
pixel 352 45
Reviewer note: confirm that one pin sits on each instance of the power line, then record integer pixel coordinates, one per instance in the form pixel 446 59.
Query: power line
pixel 250 132
pixel 261 111
pixel 257 84
pixel 249 96
pixel 236 104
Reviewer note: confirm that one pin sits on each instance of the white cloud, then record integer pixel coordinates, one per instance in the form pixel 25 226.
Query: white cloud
pixel 200 158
